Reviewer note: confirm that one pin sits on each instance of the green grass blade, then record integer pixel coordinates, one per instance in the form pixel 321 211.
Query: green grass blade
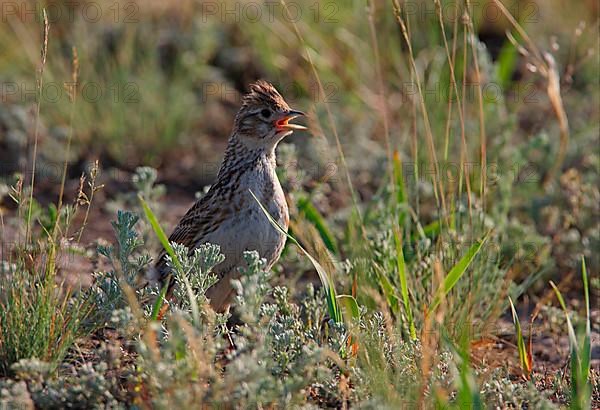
pixel 582 382
pixel 160 234
pixel 389 290
pixel 164 241
pixel 399 179
pixel 456 272
pixel 314 216
pixel 326 281
pixel 401 265
pixel 332 305
pixel 575 360
pixel 350 305
pixel 586 290
pixel 159 301
pixel 434 229
pixel 468 394
pixel 581 389
pixel 505 65
pixel 571 330
pixel 523 356
pixel 586 355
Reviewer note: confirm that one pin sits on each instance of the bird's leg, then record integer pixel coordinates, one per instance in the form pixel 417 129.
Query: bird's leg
pixel 231 342
pixel 163 310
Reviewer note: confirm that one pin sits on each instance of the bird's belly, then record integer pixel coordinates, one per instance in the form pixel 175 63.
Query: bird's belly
pixel 248 230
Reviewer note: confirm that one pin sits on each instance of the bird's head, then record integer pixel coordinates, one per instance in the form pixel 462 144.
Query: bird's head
pixel 263 119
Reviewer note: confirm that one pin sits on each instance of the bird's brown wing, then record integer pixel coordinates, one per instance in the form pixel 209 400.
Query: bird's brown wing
pixel 197 219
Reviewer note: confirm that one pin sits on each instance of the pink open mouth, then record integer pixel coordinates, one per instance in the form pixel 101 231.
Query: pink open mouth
pixel 283 124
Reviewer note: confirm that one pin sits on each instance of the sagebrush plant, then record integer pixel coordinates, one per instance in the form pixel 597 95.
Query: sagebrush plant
pixel 85 386
pixel 128 266
pixel 265 368
pixel 500 391
pixel 194 276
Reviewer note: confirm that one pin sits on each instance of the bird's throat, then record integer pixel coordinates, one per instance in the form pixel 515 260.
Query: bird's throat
pixel 240 158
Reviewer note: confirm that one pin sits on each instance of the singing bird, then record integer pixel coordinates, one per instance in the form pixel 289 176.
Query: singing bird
pixel 228 215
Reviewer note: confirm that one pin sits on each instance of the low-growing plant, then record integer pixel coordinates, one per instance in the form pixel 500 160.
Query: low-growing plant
pixel 525 356
pixel 580 348
pixel 39 318
pixel 128 266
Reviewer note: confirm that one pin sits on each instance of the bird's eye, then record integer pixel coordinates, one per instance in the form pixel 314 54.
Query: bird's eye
pixel 265 113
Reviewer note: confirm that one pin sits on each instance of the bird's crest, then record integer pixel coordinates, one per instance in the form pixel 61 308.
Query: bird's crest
pixel 263 93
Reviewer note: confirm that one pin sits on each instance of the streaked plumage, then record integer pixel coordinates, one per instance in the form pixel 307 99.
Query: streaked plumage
pixel 228 215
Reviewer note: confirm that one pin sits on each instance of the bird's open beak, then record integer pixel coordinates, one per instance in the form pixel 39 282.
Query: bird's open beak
pixel 283 123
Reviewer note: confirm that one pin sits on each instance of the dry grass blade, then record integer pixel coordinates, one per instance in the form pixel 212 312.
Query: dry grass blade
pixel 482 135
pixel 437 181
pixel 546 66
pixel 72 92
pixel 330 118
pixel 84 199
pixel 382 98
pixel 40 84
pixel 461 115
pixel 553 91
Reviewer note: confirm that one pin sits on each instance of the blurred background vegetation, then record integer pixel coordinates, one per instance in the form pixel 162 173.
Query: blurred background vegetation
pixel 159 84
pixel 393 159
